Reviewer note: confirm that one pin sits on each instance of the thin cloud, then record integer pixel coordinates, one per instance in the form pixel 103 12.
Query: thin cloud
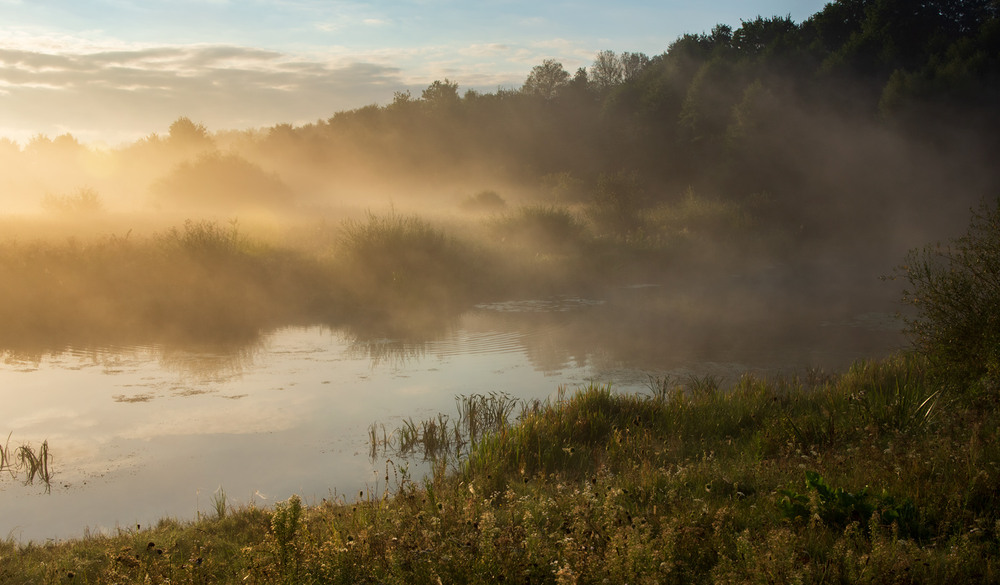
pixel 96 86
pixel 221 86
pixel 485 50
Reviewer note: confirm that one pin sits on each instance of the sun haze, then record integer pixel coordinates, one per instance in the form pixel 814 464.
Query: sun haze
pixel 114 72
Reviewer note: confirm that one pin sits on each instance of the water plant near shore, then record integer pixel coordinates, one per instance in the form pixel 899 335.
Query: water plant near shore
pixel 24 459
pixel 443 438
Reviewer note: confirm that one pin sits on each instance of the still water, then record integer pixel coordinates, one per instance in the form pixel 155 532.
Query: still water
pixel 141 433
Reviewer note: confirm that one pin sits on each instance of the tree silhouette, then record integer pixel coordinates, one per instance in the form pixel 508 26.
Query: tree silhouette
pixel 546 80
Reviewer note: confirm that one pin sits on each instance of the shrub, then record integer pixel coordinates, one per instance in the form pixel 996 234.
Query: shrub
pixel 955 291
pixel 395 263
pixel 542 228
pixel 838 507
pixel 217 181
pixel 85 200
pixel 618 203
pixel 487 200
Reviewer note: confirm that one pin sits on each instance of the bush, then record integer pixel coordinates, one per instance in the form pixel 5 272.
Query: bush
pixel 217 181
pixel 484 201
pixel 618 203
pixel 542 228
pixel 85 200
pixel 955 290
pixel 402 263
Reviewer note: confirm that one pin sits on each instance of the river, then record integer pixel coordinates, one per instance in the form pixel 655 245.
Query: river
pixel 138 433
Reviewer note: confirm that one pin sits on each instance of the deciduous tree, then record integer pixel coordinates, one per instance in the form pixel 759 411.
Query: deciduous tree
pixel 546 80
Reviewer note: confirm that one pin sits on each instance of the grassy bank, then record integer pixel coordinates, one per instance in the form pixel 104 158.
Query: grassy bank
pixel 870 476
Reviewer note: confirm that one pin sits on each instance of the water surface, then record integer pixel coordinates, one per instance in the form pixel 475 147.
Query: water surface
pixel 139 433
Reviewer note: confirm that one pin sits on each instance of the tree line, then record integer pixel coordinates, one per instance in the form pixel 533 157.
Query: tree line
pixel 858 103
pixel 739 110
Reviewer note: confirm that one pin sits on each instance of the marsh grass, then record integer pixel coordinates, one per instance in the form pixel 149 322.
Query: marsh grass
pixel 203 282
pixel 220 503
pixel 894 395
pixel 550 249
pixel 697 481
pixel 541 229
pixel 23 459
pixel 211 282
pixel 443 438
pixel 385 275
pixel 394 264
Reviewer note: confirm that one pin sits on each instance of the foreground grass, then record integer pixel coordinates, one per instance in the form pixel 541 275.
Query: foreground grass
pixel 866 477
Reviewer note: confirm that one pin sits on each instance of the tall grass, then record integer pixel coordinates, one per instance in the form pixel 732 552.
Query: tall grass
pixel 542 229
pixel 895 394
pixel 385 275
pixel 443 438
pixel 395 264
pixel 203 282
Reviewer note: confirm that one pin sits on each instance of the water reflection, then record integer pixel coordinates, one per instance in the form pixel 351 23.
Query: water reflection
pixel 213 361
pixel 138 431
pixel 639 327
pixel 219 360
pixel 394 353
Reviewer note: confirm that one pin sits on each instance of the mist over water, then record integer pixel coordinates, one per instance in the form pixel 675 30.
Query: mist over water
pixel 203 309
pixel 164 358
pixel 144 432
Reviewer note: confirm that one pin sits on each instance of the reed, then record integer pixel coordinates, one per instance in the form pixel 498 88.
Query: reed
pixel 402 266
pixel 442 438
pixel 480 415
pixel 25 459
pixel 544 229
pixel 4 449
pixel 894 395
pixel 220 503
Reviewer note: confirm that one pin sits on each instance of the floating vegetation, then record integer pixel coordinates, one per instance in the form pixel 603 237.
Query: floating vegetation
pixel 25 460
pixel 143 397
pixel 552 305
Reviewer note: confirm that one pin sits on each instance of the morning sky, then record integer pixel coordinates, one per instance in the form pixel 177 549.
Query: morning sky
pixel 114 71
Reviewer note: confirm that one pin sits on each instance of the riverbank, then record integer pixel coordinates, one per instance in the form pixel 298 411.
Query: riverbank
pixel 869 476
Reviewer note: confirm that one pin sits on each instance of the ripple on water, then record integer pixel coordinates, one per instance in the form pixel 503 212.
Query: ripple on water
pixel 558 304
